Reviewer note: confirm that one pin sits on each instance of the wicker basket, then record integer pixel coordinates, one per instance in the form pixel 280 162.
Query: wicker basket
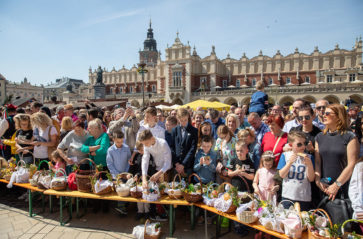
pixel 312 235
pixel 193 198
pixel 125 191
pixel 104 191
pixel 59 185
pixel 247 216
pixel 146 236
pixel 21 156
pixel 7 177
pixel 34 180
pixel 136 193
pixel 346 234
pixel 83 177
pixel 233 207
pixel 43 173
pixel 175 193
pixel 3 163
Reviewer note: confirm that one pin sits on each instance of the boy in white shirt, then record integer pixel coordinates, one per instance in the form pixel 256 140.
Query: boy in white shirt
pixel 161 153
pixel 297 170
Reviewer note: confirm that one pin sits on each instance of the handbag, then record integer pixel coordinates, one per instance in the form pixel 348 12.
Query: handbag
pixel 277 178
pixel 339 209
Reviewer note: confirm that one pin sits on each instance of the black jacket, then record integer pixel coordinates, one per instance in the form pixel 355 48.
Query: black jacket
pixel 183 149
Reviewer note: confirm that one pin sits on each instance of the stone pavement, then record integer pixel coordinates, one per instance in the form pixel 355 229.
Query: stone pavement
pixel 15 222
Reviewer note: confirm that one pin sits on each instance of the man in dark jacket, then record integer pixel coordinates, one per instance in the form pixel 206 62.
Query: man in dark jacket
pixel 184 144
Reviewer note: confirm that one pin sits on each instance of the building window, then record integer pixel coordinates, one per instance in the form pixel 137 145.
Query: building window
pixel 177 78
pixel 224 83
pixel 203 81
pixel 288 80
pixel 121 90
pixel 238 83
pixel 329 78
pixel 111 90
pixel 153 88
pixel 254 82
pixel 131 89
pixel 307 79
pixel 351 77
pixel 270 81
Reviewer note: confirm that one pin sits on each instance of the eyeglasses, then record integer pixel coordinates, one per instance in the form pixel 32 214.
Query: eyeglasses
pixel 321 107
pixel 306 117
pixel 327 113
pixel 301 144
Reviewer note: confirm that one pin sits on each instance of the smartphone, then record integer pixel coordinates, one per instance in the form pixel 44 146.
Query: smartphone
pixel 128 104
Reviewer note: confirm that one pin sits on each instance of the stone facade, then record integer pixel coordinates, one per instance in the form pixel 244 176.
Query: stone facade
pixel 184 76
pixel 2 89
pixel 60 86
pixel 24 90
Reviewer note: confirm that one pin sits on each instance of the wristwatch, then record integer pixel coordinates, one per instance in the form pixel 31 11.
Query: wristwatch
pixel 339 184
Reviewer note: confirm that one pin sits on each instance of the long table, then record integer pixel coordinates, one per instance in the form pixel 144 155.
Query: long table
pixel 31 189
pixel 165 200
pixel 232 216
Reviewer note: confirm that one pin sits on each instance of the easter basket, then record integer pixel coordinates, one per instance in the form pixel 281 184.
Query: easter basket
pixel 228 199
pixel 246 211
pixel 123 188
pixel 136 189
pixel 83 177
pixel 194 192
pixel 59 181
pixel 101 186
pixel 176 190
pixel 211 194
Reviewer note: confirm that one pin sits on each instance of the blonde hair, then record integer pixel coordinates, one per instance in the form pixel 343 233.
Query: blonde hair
pixel 22 117
pixel 244 133
pixel 232 115
pixel 95 123
pixel 67 123
pixel 260 85
pixel 41 120
pixel 342 117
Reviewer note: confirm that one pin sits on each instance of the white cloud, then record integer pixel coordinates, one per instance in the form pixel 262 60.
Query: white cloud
pixel 112 17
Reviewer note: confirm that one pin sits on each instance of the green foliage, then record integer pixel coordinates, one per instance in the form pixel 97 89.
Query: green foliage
pixel 75 167
pixel 334 231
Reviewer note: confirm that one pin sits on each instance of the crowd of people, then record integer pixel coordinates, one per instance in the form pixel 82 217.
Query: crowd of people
pixel 305 153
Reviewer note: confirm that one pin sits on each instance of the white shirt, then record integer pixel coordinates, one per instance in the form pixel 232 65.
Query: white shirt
pixel 42 151
pixel 356 189
pixel 161 154
pixel 296 186
pixel 157 131
pixel 294 123
pixel 290 124
pixel 4 125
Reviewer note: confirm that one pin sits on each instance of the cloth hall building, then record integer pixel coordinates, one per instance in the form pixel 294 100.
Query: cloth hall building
pixel 184 76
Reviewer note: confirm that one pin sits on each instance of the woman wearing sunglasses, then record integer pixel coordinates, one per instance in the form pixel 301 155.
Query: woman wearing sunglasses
pixel 336 152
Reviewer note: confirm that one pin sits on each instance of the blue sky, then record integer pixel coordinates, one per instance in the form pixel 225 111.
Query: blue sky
pixel 46 40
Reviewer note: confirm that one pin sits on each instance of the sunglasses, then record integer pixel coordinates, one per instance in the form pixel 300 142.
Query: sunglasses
pixel 327 113
pixel 306 117
pixel 321 108
pixel 301 144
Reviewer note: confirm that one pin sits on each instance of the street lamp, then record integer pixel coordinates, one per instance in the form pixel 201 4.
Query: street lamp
pixel 142 71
